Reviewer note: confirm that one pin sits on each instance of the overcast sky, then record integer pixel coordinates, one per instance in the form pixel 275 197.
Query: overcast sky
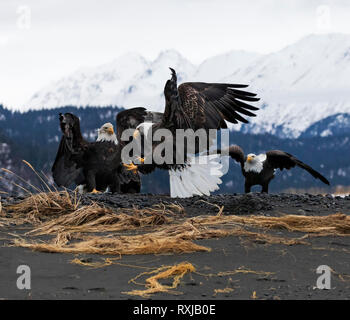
pixel 43 40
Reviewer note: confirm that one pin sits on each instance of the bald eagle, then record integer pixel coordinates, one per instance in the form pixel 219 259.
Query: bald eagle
pixel 194 105
pixel 106 133
pixel 260 169
pixel 97 165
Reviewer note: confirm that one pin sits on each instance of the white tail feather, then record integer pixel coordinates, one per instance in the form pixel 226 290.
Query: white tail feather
pixel 199 177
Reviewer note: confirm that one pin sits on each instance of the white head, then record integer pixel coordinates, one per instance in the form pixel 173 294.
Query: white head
pixel 254 163
pixel 142 128
pixel 106 133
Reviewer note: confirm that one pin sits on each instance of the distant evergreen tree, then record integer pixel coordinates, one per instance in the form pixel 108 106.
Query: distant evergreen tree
pixel 34 136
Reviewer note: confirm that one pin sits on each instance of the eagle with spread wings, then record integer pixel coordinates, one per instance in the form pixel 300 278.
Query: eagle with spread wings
pixel 194 106
pixel 260 169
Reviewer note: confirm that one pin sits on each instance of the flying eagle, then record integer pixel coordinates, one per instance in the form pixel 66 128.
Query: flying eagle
pixel 96 165
pixel 260 169
pixel 194 105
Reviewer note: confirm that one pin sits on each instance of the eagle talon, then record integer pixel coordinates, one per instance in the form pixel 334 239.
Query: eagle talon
pixel 130 167
pixel 136 134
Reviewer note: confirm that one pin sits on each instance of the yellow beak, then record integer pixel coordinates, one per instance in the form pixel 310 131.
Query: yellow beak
pixel 110 130
pixel 136 134
pixel 249 158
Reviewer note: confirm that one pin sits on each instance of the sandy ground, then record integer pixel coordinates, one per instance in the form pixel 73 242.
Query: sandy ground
pixel 293 268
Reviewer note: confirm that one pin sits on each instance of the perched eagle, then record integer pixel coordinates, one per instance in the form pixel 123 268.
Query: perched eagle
pixel 260 169
pixel 97 164
pixel 193 105
pixel 106 133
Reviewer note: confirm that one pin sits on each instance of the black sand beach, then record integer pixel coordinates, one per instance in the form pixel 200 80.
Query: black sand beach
pixel 236 268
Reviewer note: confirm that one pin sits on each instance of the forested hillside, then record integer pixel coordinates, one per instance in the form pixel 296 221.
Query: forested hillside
pixel 34 136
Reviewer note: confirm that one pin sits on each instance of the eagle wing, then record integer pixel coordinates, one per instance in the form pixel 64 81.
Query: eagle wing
pixel 129 119
pixel 207 105
pixel 154 117
pixel 278 159
pixel 236 153
pixel 200 105
pixel 64 170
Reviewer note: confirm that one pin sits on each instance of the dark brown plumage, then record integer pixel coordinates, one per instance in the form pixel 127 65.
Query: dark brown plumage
pixel 65 171
pixel 95 164
pixel 192 106
pixel 199 105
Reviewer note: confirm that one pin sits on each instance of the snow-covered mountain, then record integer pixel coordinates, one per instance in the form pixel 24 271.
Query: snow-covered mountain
pixel 219 67
pixel 146 88
pixel 128 81
pixel 91 86
pixel 336 125
pixel 132 80
pixel 299 85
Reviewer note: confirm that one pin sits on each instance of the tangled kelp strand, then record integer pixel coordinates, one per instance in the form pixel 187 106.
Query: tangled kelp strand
pixel 152 283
